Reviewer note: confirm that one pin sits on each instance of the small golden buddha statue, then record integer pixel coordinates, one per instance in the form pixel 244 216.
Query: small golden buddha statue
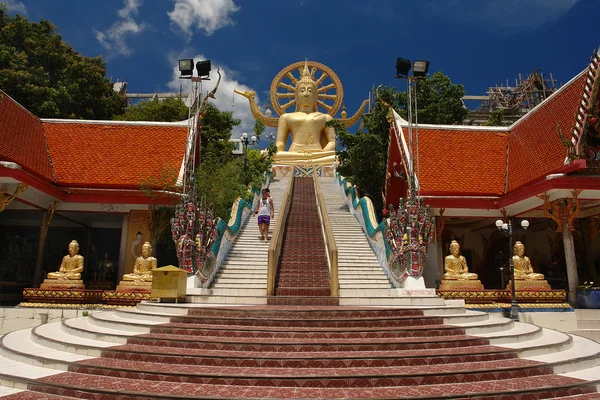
pixel 142 270
pixel 69 272
pixel 312 142
pixel 457 275
pixel 71 266
pixel 525 276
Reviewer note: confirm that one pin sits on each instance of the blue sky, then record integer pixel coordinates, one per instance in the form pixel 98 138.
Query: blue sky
pixel 477 43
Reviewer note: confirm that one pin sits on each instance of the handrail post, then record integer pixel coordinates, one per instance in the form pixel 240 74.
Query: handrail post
pixel 332 249
pixel 277 238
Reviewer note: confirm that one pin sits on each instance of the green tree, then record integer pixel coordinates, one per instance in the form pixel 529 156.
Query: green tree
pixel 221 184
pixel 496 118
pixel 168 110
pixel 363 156
pixel 43 73
pixel 439 101
pixel 217 126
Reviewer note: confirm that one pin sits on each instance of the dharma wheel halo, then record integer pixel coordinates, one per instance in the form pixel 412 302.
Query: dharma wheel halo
pixel 330 92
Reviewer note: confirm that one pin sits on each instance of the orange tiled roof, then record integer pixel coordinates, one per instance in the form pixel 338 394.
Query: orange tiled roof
pixel 96 154
pixel 535 147
pixel 467 161
pixel 22 138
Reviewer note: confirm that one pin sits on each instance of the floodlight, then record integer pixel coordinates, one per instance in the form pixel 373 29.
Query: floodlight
pixel 402 67
pixel 420 68
pixel 203 68
pixel 186 67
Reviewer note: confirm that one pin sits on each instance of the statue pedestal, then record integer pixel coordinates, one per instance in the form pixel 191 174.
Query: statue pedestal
pixel 529 285
pixel 128 293
pixel 461 285
pixel 62 284
pixel 62 295
pixel 134 285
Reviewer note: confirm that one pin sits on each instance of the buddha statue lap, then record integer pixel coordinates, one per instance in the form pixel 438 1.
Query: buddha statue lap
pixel 456 272
pixel 69 272
pixel 525 277
pixel 141 277
pixel 312 141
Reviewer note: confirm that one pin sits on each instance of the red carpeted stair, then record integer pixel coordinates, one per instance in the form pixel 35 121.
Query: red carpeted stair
pixel 303 352
pixel 303 268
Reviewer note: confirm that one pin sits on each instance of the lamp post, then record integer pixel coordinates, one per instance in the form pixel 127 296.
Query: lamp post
pixel 507 230
pixel 245 142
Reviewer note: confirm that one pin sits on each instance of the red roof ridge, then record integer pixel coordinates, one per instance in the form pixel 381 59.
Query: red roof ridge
pixel 113 122
pixel 19 105
pixel 547 99
pixel 503 129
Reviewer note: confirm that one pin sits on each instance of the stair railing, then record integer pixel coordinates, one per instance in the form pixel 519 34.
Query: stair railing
pixel 277 238
pixel 332 250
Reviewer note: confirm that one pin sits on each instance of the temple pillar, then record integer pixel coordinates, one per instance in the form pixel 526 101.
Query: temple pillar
pixel 571 261
pixel 431 272
pixel 123 247
pixel 589 230
pixel 38 273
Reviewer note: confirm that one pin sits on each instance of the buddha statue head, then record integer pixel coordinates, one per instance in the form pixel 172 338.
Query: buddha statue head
pixel 73 248
pixel 146 250
pixel 519 249
pixel 306 92
pixel 454 248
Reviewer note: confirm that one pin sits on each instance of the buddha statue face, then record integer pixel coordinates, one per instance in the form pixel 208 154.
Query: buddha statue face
pixel 146 250
pixel 306 92
pixel 455 248
pixel 73 248
pixel 519 249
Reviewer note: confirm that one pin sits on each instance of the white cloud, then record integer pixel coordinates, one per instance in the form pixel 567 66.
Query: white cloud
pixel 207 15
pixel 224 99
pixel 512 15
pixel 15 6
pixel 114 38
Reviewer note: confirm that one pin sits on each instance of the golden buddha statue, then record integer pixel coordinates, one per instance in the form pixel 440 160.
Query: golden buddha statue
pixel 457 275
pixel 69 272
pixel 525 276
pixel 311 141
pixel 312 87
pixel 71 266
pixel 142 270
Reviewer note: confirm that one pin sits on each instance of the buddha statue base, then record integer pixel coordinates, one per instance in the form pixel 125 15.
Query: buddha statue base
pixel 461 284
pixel 134 285
pixel 62 284
pixel 529 285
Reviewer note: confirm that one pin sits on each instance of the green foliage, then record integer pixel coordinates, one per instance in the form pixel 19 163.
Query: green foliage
pixel 496 118
pixel 221 184
pixel 255 166
pixel 168 110
pixel 364 155
pixel 214 137
pixel 439 101
pixel 259 128
pixel 43 73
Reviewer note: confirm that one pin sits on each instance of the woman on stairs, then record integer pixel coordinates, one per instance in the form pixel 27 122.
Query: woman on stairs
pixel 265 211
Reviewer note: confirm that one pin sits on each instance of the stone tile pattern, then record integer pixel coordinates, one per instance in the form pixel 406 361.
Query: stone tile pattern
pixel 303 268
pixel 283 352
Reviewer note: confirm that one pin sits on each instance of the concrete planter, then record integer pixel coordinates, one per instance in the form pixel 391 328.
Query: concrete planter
pixel 588 298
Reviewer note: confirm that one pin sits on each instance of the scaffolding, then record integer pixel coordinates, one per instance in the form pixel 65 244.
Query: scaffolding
pixel 520 98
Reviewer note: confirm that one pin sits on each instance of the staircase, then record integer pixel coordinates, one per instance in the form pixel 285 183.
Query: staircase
pixel 243 275
pixel 360 274
pixel 303 269
pixel 183 351
pixel 588 323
